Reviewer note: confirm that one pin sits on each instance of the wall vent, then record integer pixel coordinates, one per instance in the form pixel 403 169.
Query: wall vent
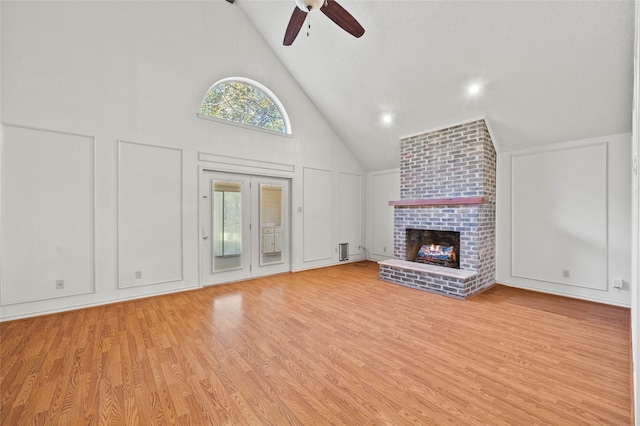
pixel 343 251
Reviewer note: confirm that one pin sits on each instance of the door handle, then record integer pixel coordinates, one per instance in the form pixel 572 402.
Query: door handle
pixel 204 236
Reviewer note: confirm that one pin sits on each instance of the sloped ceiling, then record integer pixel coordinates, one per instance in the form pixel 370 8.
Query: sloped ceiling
pixel 551 71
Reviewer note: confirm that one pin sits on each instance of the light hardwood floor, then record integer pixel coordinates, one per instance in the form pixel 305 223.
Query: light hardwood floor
pixel 327 346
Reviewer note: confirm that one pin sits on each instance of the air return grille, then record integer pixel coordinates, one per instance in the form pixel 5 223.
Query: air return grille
pixel 343 251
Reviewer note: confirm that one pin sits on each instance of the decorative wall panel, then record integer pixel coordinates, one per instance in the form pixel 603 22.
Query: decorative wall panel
pixel 559 216
pixel 317 215
pixel 351 211
pixel 150 214
pixel 47 214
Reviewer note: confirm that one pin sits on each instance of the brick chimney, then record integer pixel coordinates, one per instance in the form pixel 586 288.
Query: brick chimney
pixel 447 183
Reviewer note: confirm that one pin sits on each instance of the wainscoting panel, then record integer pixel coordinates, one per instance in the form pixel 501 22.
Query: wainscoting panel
pixel 350 217
pixel 385 187
pixel 559 216
pixel 48 216
pixel 150 214
pixel 317 215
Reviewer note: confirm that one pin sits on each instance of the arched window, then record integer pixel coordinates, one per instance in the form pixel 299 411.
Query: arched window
pixel 247 102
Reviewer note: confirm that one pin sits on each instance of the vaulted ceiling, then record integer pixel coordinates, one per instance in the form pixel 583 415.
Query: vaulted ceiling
pixel 550 71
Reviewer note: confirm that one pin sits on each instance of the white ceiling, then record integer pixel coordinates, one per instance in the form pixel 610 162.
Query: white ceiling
pixel 551 71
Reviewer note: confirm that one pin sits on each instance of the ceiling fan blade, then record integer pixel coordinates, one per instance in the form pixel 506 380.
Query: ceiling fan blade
pixel 295 23
pixel 340 16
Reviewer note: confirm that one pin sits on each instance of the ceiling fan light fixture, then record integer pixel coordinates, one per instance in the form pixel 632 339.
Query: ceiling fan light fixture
pixel 309 5
pixel 331 10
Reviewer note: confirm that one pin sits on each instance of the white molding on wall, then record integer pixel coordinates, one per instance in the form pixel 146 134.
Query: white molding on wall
pixel 92 265
pixel 311 260
pixel 635 227
pixel 606 218
pixel 120 285
pixel 2 249
pixel 564 293
pixel 59 132
pixel 617 216
pixel 374 228
pixel 244 126
pixel 223 163
pixel 304 219
pixel 354 251
pixel 386 172
pixel 102 302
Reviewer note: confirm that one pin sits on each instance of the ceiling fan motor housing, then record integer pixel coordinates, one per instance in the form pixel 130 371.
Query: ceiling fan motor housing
pixel 309 5
pixel 330 8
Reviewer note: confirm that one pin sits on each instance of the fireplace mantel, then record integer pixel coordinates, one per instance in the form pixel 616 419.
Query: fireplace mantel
pixel 438 202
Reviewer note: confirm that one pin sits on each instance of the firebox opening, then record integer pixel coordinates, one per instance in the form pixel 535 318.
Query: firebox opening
pixel 433 247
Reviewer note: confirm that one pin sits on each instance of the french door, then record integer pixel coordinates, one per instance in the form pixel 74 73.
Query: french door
pixel 245 227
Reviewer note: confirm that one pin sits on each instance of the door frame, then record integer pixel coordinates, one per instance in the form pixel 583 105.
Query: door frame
pixel 256 169
pixel 284 264
pixel 207 232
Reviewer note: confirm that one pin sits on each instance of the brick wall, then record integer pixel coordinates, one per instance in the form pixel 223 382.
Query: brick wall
pixel 447 163
pixel 459 161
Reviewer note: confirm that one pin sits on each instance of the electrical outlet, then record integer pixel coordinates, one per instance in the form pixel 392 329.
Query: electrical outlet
pixel 59 284
pixel 566 273
pixel 138 275
pixel 617 283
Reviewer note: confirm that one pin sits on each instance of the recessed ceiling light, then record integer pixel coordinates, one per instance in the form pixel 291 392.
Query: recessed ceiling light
pixel 474 89
pixel 387 118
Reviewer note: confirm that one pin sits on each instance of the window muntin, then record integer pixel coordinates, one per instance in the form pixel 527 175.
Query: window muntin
pixel 246 102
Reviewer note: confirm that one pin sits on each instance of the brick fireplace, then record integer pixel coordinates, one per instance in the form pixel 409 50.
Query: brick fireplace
pixel 447 183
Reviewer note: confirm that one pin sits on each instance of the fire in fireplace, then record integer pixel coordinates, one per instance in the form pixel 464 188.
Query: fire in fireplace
pixel 436 253
pixel 433 247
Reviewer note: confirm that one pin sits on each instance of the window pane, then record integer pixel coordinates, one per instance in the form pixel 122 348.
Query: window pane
pixel 243 103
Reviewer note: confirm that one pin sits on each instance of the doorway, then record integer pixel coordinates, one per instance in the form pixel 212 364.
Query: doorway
pixel 245 227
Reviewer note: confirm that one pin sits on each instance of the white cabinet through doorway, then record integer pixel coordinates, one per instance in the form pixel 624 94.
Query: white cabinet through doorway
pixel 271 239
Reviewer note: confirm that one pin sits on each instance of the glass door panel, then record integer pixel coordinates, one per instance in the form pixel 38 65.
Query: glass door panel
pixel 270 244
pixel 225 217
pixel 245 227
pixel 227 225
pixel 271 224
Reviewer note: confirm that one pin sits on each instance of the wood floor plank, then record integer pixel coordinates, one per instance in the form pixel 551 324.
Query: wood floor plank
pixel 328 346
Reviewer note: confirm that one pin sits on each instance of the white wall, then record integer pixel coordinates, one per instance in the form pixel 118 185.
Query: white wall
pixel 350 190
pixel 381 187
pixel 559 216
pixel 136 72
pixel 149 218
pixel 318 245
pixel 635 220
pixel 48 207
pixel 566 207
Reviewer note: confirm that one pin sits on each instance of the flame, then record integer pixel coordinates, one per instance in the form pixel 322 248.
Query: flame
pixel 437 250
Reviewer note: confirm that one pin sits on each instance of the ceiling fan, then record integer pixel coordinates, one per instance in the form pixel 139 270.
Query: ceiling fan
pixel 330 8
